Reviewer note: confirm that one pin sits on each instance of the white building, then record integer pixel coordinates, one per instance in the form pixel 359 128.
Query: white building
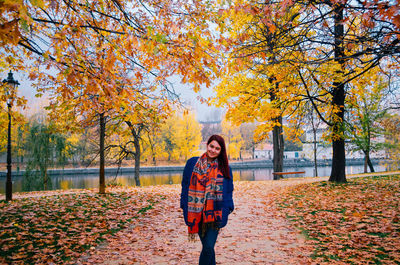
pixel 264 151
pixel 324 149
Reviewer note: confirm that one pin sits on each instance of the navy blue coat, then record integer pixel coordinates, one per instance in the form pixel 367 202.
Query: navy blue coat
pixel 227 206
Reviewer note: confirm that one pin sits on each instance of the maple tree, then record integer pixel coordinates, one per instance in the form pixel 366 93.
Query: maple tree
pixel 131 132
pixel 167 130
pixel 153 145
pixel 249 88
pixel 108 54
pixel 136 130
pixel 83 42
pixel 303 52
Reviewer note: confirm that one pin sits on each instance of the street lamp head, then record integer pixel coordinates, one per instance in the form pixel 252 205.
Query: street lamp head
pixel 10 87
pixel 10 80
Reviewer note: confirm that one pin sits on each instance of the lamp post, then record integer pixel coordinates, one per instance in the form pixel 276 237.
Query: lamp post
pixel 10 87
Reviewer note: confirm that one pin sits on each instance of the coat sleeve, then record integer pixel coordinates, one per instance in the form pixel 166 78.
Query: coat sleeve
pixel 185 183
pixel 230 191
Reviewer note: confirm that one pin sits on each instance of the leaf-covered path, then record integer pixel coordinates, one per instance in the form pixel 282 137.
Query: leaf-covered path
pixel 256 232
pixel 145 225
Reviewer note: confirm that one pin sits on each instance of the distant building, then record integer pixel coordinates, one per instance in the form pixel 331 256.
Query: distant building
pixel 324 149
pixel 293 154
pixel 209 128
pixel 264 151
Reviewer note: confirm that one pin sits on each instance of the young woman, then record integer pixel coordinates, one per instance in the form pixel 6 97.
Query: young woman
pixel 206 198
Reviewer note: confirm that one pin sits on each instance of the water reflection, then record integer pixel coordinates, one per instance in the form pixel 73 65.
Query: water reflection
pixel 91 181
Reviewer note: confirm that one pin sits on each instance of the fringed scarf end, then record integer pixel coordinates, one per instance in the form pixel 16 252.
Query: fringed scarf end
pixel 192 237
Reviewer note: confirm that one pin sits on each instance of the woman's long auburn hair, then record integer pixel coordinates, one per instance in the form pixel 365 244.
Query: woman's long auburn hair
pixel 223 163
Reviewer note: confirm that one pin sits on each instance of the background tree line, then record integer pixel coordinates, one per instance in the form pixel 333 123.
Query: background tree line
pixel 40 143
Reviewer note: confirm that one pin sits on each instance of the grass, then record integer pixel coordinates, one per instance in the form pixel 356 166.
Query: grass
pixel 57 229
pixel 352 223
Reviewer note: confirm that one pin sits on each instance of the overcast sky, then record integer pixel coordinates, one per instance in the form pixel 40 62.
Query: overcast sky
pixel 188 96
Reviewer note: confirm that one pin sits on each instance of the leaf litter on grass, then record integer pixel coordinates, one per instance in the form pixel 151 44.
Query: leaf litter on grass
pixel 352 223
pixel 59 228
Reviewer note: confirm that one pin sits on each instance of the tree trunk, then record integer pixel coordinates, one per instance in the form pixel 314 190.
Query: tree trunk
pixel 43 170
pixel 315 153
pixel 102 186
pixel 137 159
pixel 277 136
pixel 278 146
pixel 338 173
pixel 367 161
pixel 136 142
pixel 314 145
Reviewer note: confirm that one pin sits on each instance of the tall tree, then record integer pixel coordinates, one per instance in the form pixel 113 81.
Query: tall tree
pixel 313 50
pixel 112 53
pixel 153 145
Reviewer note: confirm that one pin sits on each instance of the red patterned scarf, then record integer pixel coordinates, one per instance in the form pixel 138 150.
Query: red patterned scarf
pixel 205 194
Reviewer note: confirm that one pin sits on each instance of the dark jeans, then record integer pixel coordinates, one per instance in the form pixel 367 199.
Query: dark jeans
pixel 207 255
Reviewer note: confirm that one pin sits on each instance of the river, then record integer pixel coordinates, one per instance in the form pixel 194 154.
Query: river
pixel 88 181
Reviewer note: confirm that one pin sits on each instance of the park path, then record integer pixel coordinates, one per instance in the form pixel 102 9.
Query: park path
pixel 256 232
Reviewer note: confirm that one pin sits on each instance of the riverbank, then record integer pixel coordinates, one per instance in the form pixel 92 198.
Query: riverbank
pixel 235 165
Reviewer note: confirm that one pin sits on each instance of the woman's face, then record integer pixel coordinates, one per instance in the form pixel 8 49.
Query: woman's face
pixel 213 149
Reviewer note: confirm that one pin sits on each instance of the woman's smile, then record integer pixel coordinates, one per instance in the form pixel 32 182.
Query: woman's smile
pixel 213 150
